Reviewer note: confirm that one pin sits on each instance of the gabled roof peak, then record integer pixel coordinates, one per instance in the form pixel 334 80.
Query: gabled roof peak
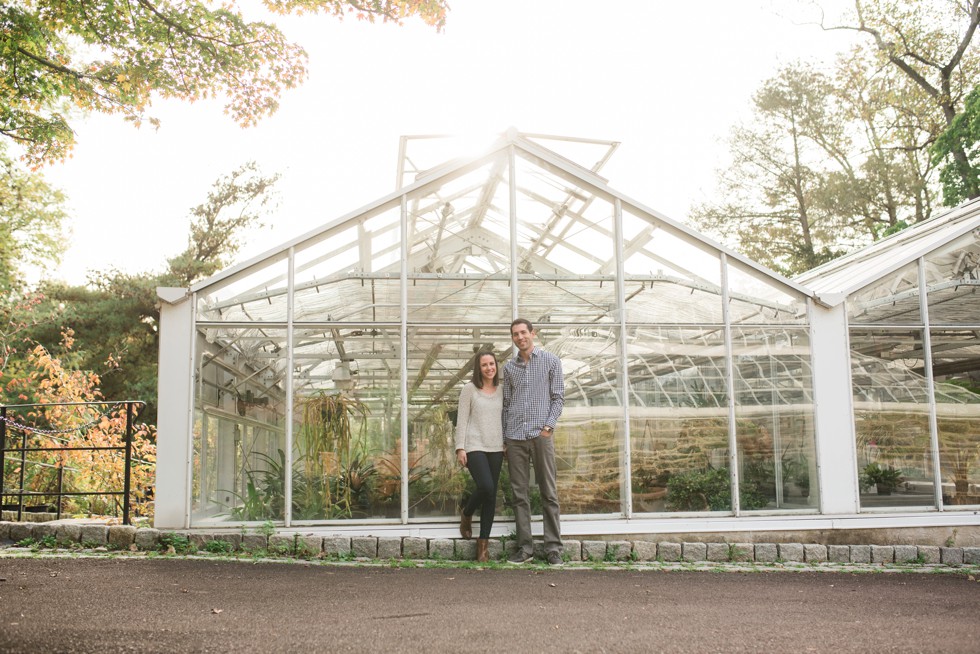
pixel 457 209
pixel 425 155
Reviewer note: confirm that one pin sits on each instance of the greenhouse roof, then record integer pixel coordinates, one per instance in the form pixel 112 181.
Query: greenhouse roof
pixel 852 272
pixel 461 229
pixel 527 225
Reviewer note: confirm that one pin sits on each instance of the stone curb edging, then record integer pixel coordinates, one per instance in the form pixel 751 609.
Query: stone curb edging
pixel 127 537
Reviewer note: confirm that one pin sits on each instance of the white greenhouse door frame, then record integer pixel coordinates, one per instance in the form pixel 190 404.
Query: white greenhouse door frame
pixel 175 397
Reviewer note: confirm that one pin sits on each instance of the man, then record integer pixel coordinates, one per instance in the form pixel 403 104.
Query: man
pixel 534 394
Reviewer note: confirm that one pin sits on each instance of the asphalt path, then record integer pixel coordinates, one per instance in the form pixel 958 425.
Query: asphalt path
pixel 173 605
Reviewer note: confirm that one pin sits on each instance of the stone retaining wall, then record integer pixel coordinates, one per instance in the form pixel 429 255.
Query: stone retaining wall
pixel 123 537
pixel 28 516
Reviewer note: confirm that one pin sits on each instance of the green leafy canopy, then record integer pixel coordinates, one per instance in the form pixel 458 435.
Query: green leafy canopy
pixel 115 56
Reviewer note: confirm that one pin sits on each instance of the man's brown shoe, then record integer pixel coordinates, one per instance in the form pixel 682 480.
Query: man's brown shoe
pixel 465 525
pixel 482 550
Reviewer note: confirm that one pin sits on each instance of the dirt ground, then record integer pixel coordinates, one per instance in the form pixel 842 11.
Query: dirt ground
pixel 184 605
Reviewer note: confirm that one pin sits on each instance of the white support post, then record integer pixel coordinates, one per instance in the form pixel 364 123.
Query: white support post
pixel 627 451
pixel 290 410
pixel 833 410
pixel 733 471
pixel 512 180
pixel 174 399
pixel 937 476
pixel 403 358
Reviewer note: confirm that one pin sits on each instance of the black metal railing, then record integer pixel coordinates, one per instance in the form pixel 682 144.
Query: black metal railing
pixel 21 451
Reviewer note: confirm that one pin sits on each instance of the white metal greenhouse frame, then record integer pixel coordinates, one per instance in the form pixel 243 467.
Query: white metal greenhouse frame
pixel 429 234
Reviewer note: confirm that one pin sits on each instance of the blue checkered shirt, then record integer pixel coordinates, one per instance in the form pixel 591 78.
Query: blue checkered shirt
pixel 534 394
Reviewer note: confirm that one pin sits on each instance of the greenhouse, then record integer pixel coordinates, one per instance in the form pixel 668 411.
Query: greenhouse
pixel 315 386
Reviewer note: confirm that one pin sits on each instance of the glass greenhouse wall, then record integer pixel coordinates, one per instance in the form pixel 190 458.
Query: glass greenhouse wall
pixel 325 374
pixel 916 381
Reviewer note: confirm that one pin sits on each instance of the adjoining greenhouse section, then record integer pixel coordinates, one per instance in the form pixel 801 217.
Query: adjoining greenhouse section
pixel 913 318
pixel 316 386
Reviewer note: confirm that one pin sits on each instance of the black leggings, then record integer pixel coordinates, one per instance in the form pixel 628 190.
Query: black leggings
pixel 485 469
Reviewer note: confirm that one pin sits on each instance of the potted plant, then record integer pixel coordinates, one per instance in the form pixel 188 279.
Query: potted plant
pixel 885 480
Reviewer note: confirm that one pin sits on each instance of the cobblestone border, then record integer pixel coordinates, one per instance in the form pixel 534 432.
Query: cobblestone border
pixel 123 537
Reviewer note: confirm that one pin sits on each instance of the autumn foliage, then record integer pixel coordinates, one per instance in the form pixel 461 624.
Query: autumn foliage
pixel 63 407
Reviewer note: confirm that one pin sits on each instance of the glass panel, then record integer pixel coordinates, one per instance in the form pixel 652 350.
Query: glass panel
pixel 239 434
pixel 459 299
pixel 893 299
pixel 567 301
pixel 774 414
pixel 678 419
pixel 668 279
pixel 353 299
pixel 561 228
pixel 352 274
pixel 258 296
pixel 952 278
pixel 754 300
pixel 460 249
pixel 891 414
pixel 589 437
pixel 347 457
pixel 440 361
pixel 462 224
pixel 956 370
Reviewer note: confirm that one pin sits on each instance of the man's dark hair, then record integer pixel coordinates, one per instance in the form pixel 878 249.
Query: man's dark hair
pixel 522 321
pixel 478 375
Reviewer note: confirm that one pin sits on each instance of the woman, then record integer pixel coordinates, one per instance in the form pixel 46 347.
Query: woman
pixel 480 446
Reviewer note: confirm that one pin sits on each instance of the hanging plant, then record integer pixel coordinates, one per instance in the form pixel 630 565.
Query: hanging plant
pixel 332 436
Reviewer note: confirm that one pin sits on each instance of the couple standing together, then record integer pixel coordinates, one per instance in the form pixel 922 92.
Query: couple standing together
pixel 512 413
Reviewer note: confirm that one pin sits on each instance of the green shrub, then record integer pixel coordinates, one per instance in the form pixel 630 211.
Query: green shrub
pixel 709 490
pixel 218 546
pixel 699 490
pixel 181 544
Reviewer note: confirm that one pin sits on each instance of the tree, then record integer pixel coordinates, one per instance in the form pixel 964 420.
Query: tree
pixel 780 162
pixel 115 318
pixel 52 377
pixel 892 181
pixel 114 57
pixel 843 157
pixel 929 42
pixel 959 177
pixel 826 162
pixel 19 316
pixel 32 216
pixel 234 205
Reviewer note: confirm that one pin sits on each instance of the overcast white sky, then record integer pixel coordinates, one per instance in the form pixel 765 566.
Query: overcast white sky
pixel 666 78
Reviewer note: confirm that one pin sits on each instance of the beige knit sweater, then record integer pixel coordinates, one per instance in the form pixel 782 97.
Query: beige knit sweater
pixel 479 427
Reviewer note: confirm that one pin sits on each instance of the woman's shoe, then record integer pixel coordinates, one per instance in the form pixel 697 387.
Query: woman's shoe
pixel 465 525
pixel 482 547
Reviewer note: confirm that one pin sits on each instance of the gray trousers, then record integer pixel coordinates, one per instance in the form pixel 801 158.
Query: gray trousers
pixel 520 455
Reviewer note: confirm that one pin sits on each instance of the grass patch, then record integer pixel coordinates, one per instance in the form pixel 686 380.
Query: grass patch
pixel 218 546
pixel 181 544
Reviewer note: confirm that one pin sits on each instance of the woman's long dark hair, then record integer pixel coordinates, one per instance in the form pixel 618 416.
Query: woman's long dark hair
pixel 478 376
